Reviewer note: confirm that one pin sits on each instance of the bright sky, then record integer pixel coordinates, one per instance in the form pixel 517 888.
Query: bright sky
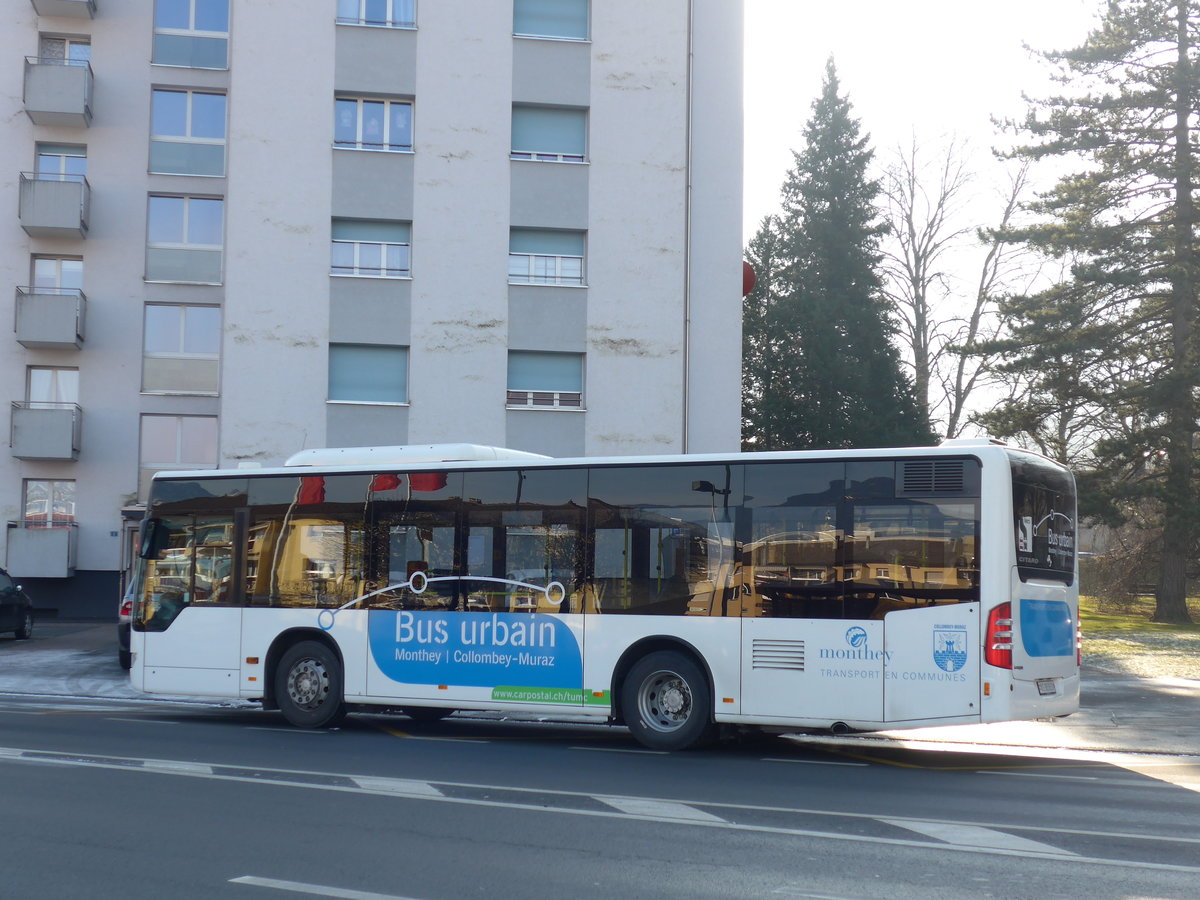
pixel 929 67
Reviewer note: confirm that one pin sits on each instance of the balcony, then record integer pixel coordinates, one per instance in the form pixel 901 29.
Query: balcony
pixel 46 430
pixel 54 205
pixel 36 550
pixel 58 91
pixel 50 318
pixel 66 9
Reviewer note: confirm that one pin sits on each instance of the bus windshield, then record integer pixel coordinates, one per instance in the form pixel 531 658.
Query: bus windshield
pixel 1043 519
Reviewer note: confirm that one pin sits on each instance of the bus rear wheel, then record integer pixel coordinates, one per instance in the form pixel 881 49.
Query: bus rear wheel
pixel 308 686
pixel 666 702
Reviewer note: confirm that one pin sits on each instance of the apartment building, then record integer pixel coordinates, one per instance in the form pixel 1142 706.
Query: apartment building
pixel 233 229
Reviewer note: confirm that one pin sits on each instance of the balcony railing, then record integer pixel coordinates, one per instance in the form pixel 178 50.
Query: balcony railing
pixel 66 9
pixel 58 91
pixel 541 268
pixel 50 318
pixel 42 430
pixel 54 205
pixel 37 550
pixel 540 156
pixel 545 400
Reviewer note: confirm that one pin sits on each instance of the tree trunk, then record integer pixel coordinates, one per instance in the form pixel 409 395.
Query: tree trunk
pixel 1178 520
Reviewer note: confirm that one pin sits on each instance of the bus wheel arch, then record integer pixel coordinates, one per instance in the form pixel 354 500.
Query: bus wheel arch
pixel 662 691
pixel 306 679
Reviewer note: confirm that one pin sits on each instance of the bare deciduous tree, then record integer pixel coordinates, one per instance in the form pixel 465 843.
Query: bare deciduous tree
pixel 939 321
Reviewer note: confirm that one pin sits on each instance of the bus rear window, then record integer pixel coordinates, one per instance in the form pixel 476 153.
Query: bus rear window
pixel 1043 519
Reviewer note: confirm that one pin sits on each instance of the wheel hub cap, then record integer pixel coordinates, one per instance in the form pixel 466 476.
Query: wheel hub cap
pixel 308 683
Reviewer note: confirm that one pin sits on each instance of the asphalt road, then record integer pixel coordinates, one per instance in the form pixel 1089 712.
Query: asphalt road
pixel 113 797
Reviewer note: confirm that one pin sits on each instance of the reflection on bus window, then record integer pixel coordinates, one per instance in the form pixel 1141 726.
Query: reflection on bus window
pixel 663 540
pixel 833 540
pixel 912 553
pixel 304 561
pixel 192 567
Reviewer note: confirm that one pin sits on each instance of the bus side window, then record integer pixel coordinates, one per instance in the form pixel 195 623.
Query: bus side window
pixel 794 563
pixel 914 553
pixel 663 540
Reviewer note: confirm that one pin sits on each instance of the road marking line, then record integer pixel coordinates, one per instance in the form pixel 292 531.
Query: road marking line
pixel 320 890
pixel 170 767
pixel 399 786
pixel 660 809
pixel 288 730
pixel 1043 775
pixel 135 764
pixel 621 750
pixel 974 836
pixel 813 762
pixel 140 721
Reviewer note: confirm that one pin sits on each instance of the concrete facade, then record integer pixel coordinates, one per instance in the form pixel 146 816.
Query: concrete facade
pixel 655 199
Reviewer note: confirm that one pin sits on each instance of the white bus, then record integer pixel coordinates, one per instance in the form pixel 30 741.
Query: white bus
pixel 854 590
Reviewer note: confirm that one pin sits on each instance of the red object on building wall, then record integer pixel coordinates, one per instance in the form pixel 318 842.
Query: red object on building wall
pixel 747 278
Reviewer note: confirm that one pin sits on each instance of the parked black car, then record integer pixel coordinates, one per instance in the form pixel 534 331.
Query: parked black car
pixel 16 609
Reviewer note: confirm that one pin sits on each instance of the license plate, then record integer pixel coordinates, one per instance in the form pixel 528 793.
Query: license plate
pixel 1046 687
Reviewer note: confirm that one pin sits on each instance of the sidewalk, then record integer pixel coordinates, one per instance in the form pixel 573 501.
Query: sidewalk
pixel 1119 713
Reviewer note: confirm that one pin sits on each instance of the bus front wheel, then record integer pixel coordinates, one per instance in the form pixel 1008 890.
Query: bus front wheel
pixel 308 686
pixel 666 702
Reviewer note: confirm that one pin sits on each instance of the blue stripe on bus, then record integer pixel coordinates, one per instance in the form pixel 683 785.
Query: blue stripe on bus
pixel 1047 628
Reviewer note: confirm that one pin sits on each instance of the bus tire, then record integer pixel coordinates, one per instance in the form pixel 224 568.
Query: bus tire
pixel 666 702
pixel 125 659
pixel 308 685
pixel 426 713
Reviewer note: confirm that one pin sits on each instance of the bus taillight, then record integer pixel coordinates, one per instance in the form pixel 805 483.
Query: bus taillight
pixel 998 647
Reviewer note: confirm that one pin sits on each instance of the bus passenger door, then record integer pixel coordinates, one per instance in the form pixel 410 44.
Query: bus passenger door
pixel 931 662
pixel 191 627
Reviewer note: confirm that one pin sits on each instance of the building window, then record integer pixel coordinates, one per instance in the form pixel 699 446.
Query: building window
pixel 57 274
pixel 61 162
pixel 48 503
pixel 538 380
pixel 175 442
pixel 181 349
pixel 184 239
pixel 191 33
pixel 368 373
pixel 549 134
pixel 563 19
pixel 64 51
pixel 179 442
pixel 373 124
pixel 541 256
pixel 187 133
pixel 48 387
pixel 371 248
pixel 384 13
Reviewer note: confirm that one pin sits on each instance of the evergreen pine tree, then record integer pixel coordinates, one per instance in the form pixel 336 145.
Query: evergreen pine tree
pixel 1126 220
pixel 821 369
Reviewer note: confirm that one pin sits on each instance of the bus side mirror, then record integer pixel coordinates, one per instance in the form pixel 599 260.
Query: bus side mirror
pixel 152 539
